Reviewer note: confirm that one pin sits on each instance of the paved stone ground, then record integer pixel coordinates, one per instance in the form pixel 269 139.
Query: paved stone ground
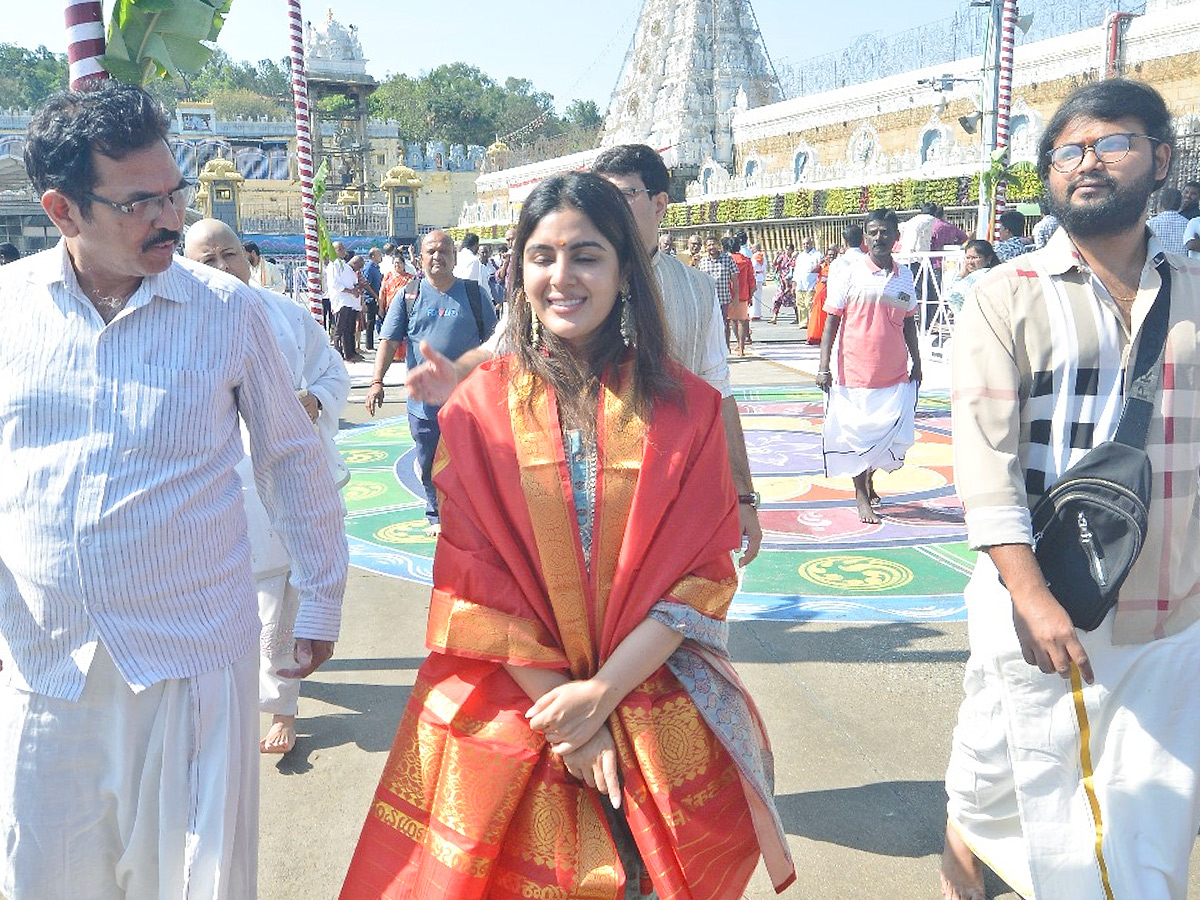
pixel 859 712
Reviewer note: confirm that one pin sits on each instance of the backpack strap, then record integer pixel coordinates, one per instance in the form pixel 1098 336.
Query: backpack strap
pixel 411 291
pixel 1147 366
pixel 475 296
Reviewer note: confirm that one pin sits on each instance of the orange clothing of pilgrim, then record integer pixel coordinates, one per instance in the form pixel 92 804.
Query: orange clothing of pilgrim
pixel 817 315
pixel 472 803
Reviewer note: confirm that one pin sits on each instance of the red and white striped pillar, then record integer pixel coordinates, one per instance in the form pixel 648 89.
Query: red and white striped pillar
pixel 1008 33
pixel 304 158
pixel 85 41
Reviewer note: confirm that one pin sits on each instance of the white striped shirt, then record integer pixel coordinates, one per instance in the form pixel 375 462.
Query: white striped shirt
pixel 120 512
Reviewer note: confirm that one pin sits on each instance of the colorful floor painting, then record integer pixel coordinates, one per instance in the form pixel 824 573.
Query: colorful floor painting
pixel 819 562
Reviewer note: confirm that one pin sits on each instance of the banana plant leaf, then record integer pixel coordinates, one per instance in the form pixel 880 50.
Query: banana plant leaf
pixel 161 38
pixel 319 188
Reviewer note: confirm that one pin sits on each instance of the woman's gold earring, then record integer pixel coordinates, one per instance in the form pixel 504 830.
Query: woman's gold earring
pixel 628 327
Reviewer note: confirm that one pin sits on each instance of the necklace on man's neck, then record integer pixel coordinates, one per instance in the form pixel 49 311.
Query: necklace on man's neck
pixel 107 305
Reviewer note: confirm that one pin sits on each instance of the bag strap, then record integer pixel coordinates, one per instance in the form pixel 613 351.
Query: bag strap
pixel 1134 424
pixel 475 296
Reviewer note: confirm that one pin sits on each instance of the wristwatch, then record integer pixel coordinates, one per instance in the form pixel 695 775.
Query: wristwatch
pixel 753 499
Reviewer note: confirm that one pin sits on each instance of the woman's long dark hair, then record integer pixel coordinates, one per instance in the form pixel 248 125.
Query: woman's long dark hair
pixel 576 380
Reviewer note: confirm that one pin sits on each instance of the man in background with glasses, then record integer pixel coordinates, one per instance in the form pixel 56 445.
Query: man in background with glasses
pixel 128 619
pixel 1075 764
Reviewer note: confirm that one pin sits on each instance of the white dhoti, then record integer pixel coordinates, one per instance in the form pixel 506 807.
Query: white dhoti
pixel 124 796
pixel 1060 788
pixel 278 602
pixel 868 428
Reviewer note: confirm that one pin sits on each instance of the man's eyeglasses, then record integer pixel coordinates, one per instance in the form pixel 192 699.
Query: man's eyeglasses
pixel 1112 148
pixel 150 208
pixel 631 193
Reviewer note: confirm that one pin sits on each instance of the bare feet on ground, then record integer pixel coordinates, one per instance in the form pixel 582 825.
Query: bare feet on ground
pixel 864 490
pixel 962 872
pixel 281 736
pixel 866 513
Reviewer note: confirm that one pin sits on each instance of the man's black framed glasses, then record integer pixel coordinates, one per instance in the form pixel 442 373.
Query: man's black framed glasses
pixel 1112 148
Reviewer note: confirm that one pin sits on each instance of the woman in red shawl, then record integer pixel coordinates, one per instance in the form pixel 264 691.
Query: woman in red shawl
pixel 393 287
pixel 578 730
pixel 816 315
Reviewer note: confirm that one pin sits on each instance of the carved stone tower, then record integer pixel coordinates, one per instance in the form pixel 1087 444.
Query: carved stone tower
pixel 338 81
pixel 683 73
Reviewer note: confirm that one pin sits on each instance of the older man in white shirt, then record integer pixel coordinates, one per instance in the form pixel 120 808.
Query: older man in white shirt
pixel 322 385
pixel 128 622
pixel 345 301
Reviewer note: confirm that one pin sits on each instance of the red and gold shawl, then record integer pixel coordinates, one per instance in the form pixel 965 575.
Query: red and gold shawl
pixel 472 803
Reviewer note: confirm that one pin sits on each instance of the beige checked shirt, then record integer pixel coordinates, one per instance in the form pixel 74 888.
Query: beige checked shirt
pixel 1039 363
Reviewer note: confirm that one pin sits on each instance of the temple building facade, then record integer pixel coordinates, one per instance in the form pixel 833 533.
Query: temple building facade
pixel 909 134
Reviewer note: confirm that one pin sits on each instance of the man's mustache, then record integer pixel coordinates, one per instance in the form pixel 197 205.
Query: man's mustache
pixel 1093 181
pixel 161 237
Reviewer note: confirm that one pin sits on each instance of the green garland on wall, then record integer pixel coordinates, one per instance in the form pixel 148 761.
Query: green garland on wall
pixel 908 194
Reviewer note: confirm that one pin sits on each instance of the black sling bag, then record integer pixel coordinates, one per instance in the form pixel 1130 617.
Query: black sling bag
pixel 1090 526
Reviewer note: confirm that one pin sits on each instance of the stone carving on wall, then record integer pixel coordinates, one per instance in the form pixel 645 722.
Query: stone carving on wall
pixel 804 159
pixel 934 142
pixel 1024 130
pixel 863 147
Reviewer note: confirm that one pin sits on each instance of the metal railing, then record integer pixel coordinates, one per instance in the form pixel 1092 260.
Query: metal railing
pixel 935 272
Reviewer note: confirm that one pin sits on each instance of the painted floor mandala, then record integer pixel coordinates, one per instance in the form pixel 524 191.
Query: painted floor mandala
pixel 818 560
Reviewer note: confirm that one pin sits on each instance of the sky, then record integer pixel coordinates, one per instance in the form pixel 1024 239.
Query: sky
pixel 572 49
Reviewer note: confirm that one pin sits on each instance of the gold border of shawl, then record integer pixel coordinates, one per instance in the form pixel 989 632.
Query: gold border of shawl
pixel 457 625
pixel 710 598
pixel 621 447
pixel 538 442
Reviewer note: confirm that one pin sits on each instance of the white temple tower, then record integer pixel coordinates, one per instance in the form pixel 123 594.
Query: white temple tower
pixel 692 63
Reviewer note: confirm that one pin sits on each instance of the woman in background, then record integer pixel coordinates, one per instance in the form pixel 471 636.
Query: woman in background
pixel 980 256
pixel 784 266
pixel 816 315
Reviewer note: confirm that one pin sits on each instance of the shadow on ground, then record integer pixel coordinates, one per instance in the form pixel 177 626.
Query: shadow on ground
pixel 792 642
pixel 891 818
pixel 367 717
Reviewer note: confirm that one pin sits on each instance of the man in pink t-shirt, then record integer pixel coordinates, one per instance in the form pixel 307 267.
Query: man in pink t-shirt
pixel 872 392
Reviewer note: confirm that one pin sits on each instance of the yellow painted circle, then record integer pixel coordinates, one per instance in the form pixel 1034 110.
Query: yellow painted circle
pixel 856 573
pixel 362 456
pixel 359 491
pixel 404 533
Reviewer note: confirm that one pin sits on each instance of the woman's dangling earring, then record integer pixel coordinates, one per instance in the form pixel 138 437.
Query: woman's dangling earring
pixel 628 328
pixel 535 330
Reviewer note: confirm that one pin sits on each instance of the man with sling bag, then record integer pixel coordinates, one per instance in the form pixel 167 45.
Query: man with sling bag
pixel 441 312
pixel 1075 765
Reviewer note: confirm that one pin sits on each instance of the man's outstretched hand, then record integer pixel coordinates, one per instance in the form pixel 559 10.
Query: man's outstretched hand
pixel 433 380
